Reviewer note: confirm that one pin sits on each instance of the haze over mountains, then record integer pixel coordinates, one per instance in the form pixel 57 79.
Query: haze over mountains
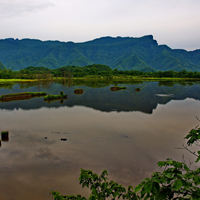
pixel 122 53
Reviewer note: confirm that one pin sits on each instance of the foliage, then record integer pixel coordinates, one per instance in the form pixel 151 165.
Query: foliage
pixel 6 74
pixel 194 138
pixel 97 71
pixel 176 182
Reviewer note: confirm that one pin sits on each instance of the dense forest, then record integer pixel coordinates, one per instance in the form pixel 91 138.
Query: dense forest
pixel 95 70
pixel 122 53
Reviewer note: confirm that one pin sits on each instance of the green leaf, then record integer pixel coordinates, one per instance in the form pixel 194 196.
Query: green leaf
pixel 147 179
pixel 148 187
pixel 186 168
pixel 197 160
pixel 138 187
pixel 92 197
pixel 177 184
pixel 147 197
pixel 161 163
pixel 169 175
pixel 196 180
pixel 155 188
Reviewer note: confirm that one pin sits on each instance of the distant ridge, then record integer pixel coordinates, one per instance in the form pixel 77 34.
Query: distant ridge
pixel 122 53
pixel 2 67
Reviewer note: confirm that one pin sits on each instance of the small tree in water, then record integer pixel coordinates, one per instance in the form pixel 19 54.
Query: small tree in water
pixel 176 182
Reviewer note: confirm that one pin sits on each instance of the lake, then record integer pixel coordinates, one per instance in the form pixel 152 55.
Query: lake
pixel 125 132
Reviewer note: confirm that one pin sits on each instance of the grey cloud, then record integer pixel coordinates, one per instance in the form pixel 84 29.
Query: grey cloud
pixel 13 8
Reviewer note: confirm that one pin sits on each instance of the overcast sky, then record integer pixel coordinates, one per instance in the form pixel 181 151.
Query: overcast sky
pixel 172 22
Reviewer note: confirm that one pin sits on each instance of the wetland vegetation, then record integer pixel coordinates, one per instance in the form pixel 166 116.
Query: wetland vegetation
pixel 50 97
pixel 78 91
pixel 21 96
pixel 117 88
pixel 95 71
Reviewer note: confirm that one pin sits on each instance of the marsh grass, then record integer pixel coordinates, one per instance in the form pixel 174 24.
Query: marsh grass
pixel 137 89
pixel 101 78
pixel 21 96
pixel 78 91
pixel 117 88
pixel 50 97
pixel 17 80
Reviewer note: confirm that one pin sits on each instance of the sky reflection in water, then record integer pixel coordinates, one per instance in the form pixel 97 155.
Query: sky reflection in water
pixel 127 144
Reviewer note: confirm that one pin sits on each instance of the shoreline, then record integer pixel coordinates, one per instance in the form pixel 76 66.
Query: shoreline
pixel 115 78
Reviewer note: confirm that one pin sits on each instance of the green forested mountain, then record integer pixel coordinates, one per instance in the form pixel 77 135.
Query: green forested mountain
pixel 2 67
pixel 122 53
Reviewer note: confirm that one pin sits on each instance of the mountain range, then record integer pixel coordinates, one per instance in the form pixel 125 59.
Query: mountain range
pixel 122 53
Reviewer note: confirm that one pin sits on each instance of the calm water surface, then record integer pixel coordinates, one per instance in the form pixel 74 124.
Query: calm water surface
pixel 125 132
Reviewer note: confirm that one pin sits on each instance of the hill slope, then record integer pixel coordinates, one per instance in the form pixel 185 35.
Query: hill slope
pixel 2 67
pixel 123 53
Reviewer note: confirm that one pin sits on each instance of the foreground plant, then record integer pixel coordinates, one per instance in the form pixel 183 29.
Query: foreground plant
pixel 176 182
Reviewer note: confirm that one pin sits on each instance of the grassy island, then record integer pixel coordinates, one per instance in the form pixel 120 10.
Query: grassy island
pixel 21 96
pixel 117 88
pixel 78 91
pixel 50 97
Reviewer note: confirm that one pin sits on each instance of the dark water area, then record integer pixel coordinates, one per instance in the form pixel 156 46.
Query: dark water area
pixel 125 132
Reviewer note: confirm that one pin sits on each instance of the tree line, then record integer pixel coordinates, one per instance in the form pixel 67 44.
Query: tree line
pixel 89 70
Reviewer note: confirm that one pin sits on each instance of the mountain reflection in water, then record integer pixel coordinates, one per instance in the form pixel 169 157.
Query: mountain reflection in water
pixel 146 99
pixel 126 132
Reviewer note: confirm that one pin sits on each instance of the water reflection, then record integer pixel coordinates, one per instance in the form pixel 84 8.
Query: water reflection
pixel 128 144
pixel 138 96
